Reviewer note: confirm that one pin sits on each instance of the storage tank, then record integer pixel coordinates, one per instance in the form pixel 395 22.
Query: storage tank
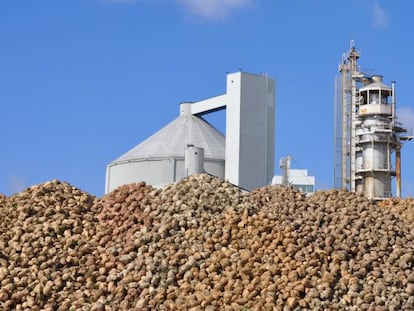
pixel 193 160
pixel 160 159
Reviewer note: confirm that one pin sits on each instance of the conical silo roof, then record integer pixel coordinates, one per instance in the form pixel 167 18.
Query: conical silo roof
pixel 171 141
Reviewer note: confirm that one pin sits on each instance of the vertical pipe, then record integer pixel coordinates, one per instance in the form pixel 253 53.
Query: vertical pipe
pixel 336 134
pixel 393 103
pixel 397 146
pixel 398 168
pixel 285 168
pixel 353 59
pixel 345 128
pixel 174 169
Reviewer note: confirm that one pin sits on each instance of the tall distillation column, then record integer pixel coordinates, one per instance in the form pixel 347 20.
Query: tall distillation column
pixel 367 132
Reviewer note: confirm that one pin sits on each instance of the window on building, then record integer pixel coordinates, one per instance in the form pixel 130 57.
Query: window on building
pixel 305 188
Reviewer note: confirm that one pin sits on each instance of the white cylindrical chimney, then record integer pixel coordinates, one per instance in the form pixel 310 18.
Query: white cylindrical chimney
pixel 193 160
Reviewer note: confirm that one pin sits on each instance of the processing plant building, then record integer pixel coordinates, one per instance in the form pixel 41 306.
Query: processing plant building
pixel 368 136
pixel 296 178
pixel 189 144
pixel 367 145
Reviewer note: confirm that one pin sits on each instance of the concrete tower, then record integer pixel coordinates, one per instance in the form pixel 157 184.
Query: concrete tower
pixel 250 127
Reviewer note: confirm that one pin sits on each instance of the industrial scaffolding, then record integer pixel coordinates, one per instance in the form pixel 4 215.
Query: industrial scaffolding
pixel 368 137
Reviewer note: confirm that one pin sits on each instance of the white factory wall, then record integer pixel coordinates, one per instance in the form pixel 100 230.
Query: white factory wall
pixel 157 173
pixel 298 179
pixel 250 130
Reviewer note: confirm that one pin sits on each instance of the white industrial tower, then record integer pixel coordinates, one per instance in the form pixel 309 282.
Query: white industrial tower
pixel 189 144
pixel 368 137
pixel 250 125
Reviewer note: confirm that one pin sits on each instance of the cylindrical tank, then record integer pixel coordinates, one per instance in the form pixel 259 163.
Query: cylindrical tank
pixel 359 161
pixel 359 185
pixel 377 186
pixel 375 157
pixel 160 159
pixel 194 160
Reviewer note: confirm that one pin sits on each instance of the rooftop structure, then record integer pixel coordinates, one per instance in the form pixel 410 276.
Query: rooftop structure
pixel 297 178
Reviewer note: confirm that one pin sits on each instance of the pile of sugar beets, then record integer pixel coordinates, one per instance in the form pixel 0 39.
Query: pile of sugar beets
pixel 204 244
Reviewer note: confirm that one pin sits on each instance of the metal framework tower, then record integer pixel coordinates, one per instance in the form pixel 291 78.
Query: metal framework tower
pixel 367 135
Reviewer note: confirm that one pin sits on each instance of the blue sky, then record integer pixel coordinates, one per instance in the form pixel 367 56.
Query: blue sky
pixel 84 81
